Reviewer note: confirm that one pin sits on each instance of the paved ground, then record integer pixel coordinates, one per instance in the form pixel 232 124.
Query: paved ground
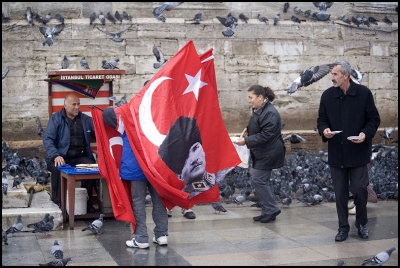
pixel 300 236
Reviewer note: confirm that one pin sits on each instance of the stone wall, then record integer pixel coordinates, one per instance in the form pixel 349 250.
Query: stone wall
pixel 258 53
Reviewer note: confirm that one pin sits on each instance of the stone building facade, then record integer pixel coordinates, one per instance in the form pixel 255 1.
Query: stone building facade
pixel 257 53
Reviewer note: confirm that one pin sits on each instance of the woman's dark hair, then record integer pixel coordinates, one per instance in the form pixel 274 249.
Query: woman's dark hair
pixel 266 92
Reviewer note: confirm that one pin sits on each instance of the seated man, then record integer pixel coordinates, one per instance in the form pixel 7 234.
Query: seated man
pixel 67 141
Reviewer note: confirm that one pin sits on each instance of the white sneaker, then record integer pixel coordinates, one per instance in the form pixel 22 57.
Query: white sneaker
pixel 352 211
pixel 135 244
pixel 350 205
pixel 162 240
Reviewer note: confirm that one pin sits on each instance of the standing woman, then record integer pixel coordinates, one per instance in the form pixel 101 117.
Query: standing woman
pixel 263 137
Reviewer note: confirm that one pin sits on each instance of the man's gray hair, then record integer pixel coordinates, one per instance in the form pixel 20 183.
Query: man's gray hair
pixel 346 67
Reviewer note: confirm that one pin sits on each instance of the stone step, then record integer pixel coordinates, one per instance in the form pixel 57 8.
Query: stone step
pixel 15 197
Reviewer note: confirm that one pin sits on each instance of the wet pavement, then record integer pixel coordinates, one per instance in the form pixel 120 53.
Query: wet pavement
pixel 300 236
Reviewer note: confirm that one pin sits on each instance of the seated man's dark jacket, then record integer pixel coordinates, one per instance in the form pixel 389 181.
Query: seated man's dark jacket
pixel 56 139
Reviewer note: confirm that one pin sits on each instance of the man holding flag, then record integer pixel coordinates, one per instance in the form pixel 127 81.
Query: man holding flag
pixel 184 87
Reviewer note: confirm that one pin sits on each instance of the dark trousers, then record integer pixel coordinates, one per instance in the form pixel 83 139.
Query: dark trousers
pixel 358 179
pixel 56 179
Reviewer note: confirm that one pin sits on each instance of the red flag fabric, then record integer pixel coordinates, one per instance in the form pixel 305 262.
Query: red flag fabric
pixel 109 146
pixel 162 120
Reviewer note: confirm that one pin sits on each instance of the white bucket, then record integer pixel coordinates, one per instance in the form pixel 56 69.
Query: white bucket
pixel 81 198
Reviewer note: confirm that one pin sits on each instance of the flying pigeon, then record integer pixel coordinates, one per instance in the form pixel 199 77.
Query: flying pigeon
pixel 96 225
pixel 159 56
pixel 217 206
pixel 262 18
pixel 295 19
pixel 230 31
pixel 285 7
pixel 309 76
pixel 64 64
pixel 373 20
pixel 323 6
pixel 157 12
pixel 346 19
pixel 118 16
pixel 29 15
pixel 380 258
pixel 387 132
pixel 294 138
pixel 276 18
pixel 57 250
pixel 110 65
pixel 47 18
pixel 60 18
pixel 93 18
pixel 110 17
pixel 358 76
pixel 50 34
pixel 84 63
pixel 56 262
pixel 228 21
pixel 387 20
pixel 16 227
pixel 102 18
pixel 322 15
pixel 126 15
pixel 116 37
pixel 243 17
pixel 4 74
pixel 4 182
pixel 43 226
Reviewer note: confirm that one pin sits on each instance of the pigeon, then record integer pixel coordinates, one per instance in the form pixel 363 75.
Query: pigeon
pixel 387 132
pixel 16 227
pixel 38 124
pixel 295 19
pixel 307 13
pixel 262 18
pixel 60 18
pixel 110 17
pixel 239 199
pixel 285 7
pixel 340 263
pixel 4 238
pixel 217 206
pixel 5 18
pixel 4 74
pixel 159 57
pixel 126 15
pixel 230 31
pixel 116 37
pixel 365 21
pixel 157 12
pixel 64 64
pixel 297 10
pixel 380 258
pixel 373 20
pixel 294 138
pixel 286 201
pixel 276 18
pixel 96 225
pixel 346 19
pixel 93 18
pixel 228 21
pixel 47 18
pixel 197 18
pixel 17 181
pixel 84 63
pixel 357 21
pixel 243 17
pixel 102 18
pixel 387 20
pixel 56 262
pixel 358 76
pixel 29 15
pixel 43 226
pixel 50 34
pixel 118 16
pixel 109 65
pixel 323 6
pixel 57 250
pixel 4 182
pixel 322 15
pixel 37 17
pixel 309 76
pixel 122 101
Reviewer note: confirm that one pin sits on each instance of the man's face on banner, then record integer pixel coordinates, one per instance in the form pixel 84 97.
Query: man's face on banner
pixel 195 164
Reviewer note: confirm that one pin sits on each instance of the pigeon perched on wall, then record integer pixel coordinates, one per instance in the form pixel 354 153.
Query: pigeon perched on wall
pixel 64 64
pixel 4 73
pixel 357 21
pixel 16 227
pixel 93 17
pixel 294 138
pixel 116 37
pixel 228 21
pixel 295 19
pixel 29 15
pixel 102 18
pixel 157 12
pixel 262 18
pixel 60 18
pixel 37 17
pixel 309 76
pixel 297 10
pixel 277 18
pixel 197 18
pixel 307 13
pixel 57 262
pixel 285 7
pixel 96 225
pixel 4 18
pixel 109 65
pixel 365 21
pixel 387 20
pixel 84 63
pixel 346 19
pixel 57 250
pixel 126 15
pixel 110 17
pixel 43 226
pixel 47 18
pixel 243 17
pixel 217 206
pixel 159 57
pixel 386 133
pixel 373 20
pixel 4 182
pixel 49 34
pixel 118 16
pixel 380 258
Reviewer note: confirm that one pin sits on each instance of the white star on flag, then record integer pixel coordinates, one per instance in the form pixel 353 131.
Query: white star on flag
pixel 194 84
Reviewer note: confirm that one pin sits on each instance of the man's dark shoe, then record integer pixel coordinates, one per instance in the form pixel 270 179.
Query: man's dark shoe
pixel 258 218
pixel 362 230
pixel 269 218
pixel 341 236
